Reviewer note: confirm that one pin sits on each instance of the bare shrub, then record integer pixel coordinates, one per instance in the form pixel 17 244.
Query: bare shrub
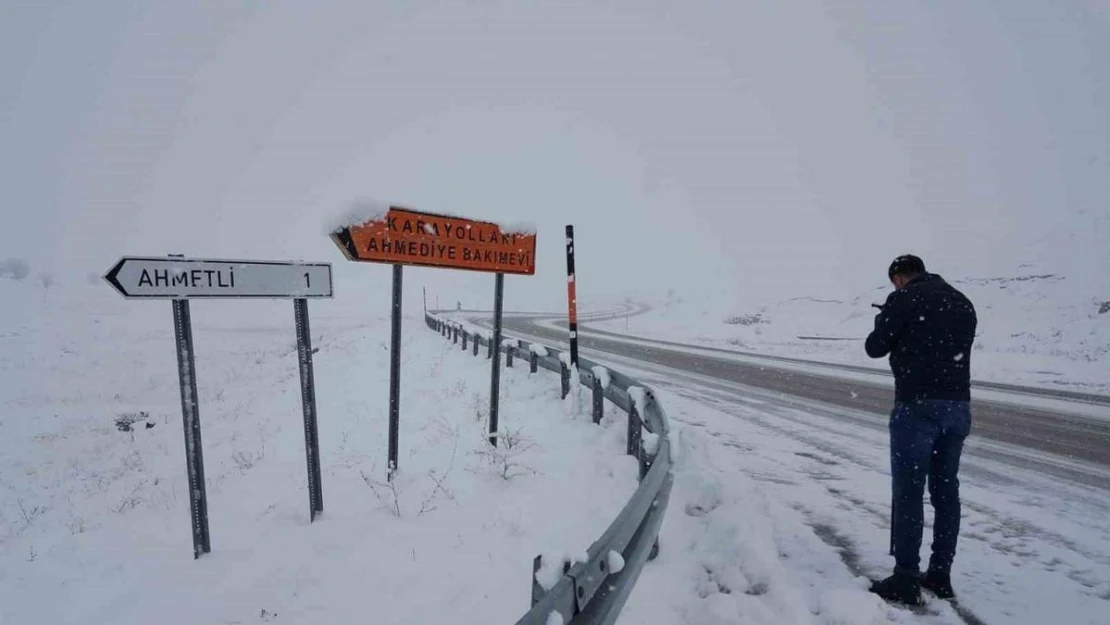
pixel 504 461
pixel 745 320
pixel 387 493
pixel 245 460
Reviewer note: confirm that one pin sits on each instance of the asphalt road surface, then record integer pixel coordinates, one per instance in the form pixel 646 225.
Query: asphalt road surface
pixel 1069 436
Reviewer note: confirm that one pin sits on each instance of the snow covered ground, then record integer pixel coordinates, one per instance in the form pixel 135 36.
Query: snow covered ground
pixel 1042 330
pixel 781 510
pixel 94 520
pixel 778 512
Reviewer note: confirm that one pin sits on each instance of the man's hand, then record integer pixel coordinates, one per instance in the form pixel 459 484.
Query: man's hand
pixel 888 325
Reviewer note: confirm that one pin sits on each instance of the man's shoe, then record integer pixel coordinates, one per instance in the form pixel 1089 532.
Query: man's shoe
pixel 899 588
pixel 938 583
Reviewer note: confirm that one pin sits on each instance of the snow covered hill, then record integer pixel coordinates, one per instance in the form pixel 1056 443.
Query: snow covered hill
pixel 1047 330
pixel 94 516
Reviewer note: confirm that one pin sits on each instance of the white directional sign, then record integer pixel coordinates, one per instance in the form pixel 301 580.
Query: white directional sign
pixel 170 277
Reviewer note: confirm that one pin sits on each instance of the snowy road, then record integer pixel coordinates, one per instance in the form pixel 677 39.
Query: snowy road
pixel 1062 434
pixel 782 457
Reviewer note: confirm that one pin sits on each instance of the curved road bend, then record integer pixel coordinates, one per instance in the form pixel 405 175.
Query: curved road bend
pixel 1073 437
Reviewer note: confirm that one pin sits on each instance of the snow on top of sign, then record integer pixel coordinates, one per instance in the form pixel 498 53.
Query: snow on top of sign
pixel 362 211
pixel 517 227
pixel 359 212
pixel 506 226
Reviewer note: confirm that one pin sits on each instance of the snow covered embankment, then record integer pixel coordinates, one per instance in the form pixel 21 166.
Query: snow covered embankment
pixel 94 520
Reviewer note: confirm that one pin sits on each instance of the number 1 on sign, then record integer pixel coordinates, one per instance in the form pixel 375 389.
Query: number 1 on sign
pixel 307 284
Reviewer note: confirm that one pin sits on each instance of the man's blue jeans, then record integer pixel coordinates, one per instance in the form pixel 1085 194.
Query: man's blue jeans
pixel 926 440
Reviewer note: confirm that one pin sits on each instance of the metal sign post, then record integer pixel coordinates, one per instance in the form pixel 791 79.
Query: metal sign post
pixel 180 279
pixel 495 378
pixel 308 401
pixel 395 373
pixel 190 411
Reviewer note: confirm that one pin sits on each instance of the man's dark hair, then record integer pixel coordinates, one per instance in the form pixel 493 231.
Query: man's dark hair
pixel 907 265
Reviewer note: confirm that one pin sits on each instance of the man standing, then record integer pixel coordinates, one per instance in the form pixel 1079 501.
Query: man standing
pixel 927 327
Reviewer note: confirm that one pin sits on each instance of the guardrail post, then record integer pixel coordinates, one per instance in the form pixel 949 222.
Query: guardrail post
pixel 509 356
pixel 564 375
pixel 537 590
pixel 464 346
pixel 646 462
pixel 489 349
pixel 477 339
pixel 635 433
pixel 533 362
pixel 599 400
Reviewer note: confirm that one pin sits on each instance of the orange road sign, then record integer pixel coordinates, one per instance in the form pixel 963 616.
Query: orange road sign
pixel 407 237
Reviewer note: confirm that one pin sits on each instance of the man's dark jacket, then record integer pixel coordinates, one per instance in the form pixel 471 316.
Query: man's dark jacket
pixel 927 327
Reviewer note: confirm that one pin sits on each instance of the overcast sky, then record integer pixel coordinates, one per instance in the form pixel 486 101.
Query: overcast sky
pixel 759 149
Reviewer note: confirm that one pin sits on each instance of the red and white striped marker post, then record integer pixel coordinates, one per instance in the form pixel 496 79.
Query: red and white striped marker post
pixel 572 300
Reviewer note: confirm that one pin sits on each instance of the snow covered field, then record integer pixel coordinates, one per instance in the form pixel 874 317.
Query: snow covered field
pixel 94 520
pixel 1043 330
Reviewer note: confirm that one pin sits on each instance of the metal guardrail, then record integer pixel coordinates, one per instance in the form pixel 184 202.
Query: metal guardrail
pixel 590 593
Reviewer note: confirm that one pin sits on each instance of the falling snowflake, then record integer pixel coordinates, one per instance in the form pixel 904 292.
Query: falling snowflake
pixel 959 357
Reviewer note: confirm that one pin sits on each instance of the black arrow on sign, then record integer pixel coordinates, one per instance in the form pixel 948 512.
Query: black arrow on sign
pixel 112 277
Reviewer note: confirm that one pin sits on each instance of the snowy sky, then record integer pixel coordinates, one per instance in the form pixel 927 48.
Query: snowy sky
pixel 761 148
